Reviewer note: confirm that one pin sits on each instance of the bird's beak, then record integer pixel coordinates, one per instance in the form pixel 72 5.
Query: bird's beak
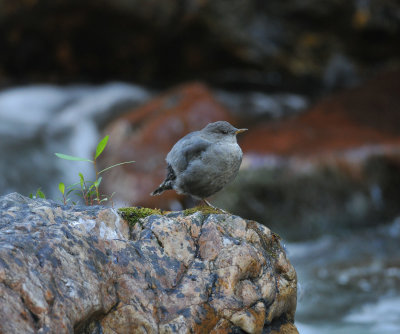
pixel 240 131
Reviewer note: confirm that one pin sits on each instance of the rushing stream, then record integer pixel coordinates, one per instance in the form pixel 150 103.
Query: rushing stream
pixel 348 282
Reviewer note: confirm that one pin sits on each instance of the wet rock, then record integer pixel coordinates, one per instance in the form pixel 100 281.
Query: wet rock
pixel 333 166
pixel 365 116
pixel 83 269
pixel 146 135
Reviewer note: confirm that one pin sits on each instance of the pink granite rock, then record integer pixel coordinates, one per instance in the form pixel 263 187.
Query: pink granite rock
pixel 84 270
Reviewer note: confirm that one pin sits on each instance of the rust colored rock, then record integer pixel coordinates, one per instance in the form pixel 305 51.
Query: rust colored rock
pixel 146 135
pixel 81 269
pixel 366 116
pixel 332 167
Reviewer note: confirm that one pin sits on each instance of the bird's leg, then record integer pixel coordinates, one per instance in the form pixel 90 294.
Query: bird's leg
pixel 212 206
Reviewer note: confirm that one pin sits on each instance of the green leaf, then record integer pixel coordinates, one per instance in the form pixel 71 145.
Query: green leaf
pixel 82 181
pixel 101 146
pixel 121 163
pixel 70 157
pixel 79 194
pixel 40 194
pixel 30 196
pixel 97 182
pixel 61 187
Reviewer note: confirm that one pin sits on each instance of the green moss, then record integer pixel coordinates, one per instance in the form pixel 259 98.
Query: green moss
pixel 133 214
pixel 276 236
pixel 203 209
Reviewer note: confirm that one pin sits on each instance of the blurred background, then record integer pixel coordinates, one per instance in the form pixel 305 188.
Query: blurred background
pixel 316 82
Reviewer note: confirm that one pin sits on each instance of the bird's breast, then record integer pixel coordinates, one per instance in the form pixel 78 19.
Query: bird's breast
pixel 210 172
pixel 227 157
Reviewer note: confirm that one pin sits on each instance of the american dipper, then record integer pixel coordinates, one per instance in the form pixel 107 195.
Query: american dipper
pixel 203 162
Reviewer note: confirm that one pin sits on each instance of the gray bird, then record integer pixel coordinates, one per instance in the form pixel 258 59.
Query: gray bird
pixel 203 162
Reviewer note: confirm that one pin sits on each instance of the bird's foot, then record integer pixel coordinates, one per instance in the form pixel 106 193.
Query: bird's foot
pixel 214 207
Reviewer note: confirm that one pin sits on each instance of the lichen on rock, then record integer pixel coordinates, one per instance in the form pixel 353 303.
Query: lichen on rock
pixel 203 209
pixel 133 214
pixel 70 269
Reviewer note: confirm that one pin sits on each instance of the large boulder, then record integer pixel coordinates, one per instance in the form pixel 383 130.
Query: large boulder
pixel 66 269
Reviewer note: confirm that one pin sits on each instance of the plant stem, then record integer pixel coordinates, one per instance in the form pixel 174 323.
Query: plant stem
pixel 97 177
pixel 84 193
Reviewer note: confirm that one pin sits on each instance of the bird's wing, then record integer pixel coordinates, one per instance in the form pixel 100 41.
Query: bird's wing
pixel 187 149
pixel 195 149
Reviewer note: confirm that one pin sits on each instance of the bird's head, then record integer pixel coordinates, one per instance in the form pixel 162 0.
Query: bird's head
pixel 222 129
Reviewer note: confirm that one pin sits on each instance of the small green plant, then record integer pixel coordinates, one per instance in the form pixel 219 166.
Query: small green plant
pixel 88 190
pixel 39 194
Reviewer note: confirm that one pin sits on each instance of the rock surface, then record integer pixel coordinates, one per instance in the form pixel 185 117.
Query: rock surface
pixel 82 269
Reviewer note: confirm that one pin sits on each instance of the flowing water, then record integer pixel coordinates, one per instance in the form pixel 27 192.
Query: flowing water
pixel 349 283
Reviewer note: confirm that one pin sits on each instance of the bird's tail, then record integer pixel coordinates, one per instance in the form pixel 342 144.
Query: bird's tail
pixel 166 185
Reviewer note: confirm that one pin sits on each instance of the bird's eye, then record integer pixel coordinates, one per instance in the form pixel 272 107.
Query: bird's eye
pixel 225 132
